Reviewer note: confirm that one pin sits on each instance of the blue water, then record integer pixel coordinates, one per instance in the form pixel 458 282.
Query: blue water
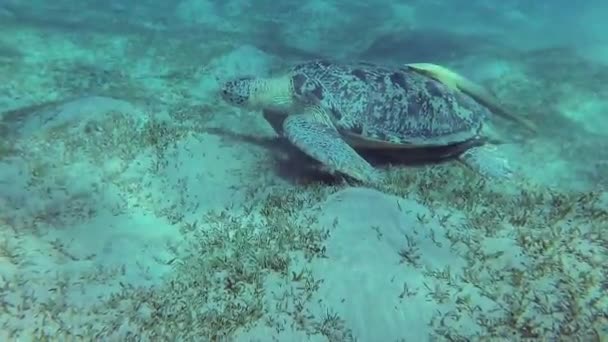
pixel 137 204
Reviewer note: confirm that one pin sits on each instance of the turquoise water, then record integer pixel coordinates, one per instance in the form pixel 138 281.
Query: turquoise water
pixel 136 204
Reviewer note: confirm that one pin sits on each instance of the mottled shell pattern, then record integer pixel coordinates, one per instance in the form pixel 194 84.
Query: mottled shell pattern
pixel 396 106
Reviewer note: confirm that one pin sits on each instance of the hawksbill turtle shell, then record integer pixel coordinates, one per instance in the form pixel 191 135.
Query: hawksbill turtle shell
pixel 327 109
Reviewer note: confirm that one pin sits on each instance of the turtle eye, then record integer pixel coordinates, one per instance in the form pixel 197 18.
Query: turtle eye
pixel 237 92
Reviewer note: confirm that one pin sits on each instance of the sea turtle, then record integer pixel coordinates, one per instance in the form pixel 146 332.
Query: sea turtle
pixel 330 109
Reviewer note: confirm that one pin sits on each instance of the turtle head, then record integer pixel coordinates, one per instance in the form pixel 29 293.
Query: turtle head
pixel 259 93
pixel 238 92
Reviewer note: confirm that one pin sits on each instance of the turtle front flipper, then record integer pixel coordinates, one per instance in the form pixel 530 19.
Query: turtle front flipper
pixel 485 161
pixel 458 82
pixel 319 139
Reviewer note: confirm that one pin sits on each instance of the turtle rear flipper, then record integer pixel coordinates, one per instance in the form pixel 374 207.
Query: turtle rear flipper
pixel 320 140
pixel 485 161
